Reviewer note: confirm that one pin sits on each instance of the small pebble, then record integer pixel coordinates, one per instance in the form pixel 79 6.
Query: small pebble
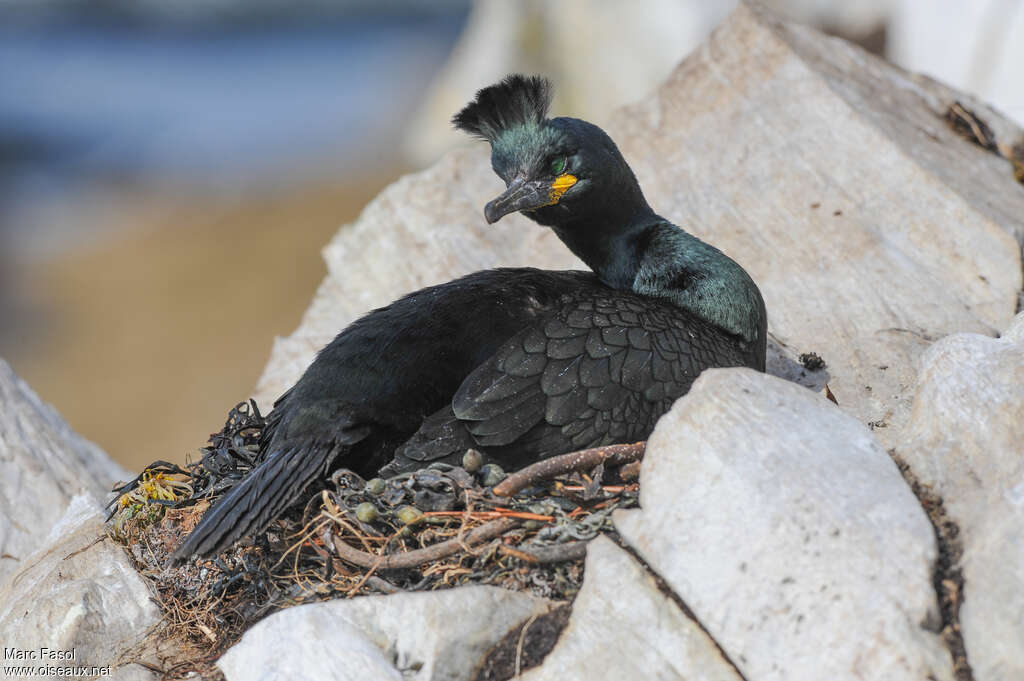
pixel 375 486
pixel 366 512
pixel 492 474
pixel 472 461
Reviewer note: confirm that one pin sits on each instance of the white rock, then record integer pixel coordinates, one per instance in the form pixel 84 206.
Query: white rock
pixel 43 464
pixel 314 645
pixel 533 36
pixel 425 636
pixel 623 627
pixel 749 134
pixel 790 533
pixel 978 46
pixel 965 440
pixel 80 593
pixel 768 120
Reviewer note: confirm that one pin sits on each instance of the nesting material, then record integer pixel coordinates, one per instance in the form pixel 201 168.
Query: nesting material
pixel 435 528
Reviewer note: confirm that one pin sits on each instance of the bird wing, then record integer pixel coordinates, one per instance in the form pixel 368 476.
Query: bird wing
pixel 602 369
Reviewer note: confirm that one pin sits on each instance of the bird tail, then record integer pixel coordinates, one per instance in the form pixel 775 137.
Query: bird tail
pixel 260 498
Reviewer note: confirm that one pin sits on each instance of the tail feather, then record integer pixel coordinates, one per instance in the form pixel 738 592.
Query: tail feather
pixel 262 496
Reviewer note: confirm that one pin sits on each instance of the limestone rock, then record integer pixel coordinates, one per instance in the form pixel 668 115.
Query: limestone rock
pixel 966 441
pixel 79 593
pixel 43 465
pixel 419 636
pixel 790 533
pixel 623 627
pixel 312 646
pixel 533 36
pixel 870 226
pixel 978 48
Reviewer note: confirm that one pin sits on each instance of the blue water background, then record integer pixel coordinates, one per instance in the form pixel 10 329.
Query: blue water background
pixel 205 110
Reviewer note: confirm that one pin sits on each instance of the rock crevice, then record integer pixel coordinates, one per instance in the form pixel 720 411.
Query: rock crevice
pixel 665 589
pixel 947 577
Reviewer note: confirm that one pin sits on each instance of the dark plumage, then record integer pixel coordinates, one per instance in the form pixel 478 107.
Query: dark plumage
pixel 519 363
pixel 516 101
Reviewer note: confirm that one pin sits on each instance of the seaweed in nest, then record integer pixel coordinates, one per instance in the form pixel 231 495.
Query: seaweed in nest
pixel 435 528
pixel 231 453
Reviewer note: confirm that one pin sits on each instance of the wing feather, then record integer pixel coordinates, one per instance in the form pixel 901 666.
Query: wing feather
pixel 602 368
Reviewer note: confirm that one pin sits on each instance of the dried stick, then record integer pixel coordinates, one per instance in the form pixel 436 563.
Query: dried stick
pixel 546 555
pixel 411 559
pixel 522 639
pixel 610 455
pixel 383 585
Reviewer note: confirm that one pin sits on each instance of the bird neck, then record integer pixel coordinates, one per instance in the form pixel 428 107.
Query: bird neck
pixel 611 243
pixel 653 257
pixel 698 277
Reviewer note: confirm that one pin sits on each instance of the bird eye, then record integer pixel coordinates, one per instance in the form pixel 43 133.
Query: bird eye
pixel 558 165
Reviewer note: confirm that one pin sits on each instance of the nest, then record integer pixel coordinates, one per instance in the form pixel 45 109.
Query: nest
pixel 435 528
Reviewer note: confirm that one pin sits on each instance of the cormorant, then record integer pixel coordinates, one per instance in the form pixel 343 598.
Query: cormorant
pixel 519 363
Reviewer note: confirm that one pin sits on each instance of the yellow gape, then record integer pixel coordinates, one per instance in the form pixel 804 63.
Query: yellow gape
pixel 560 186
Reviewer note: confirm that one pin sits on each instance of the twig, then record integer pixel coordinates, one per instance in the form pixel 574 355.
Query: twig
pixel 546 555
pixel 610 489
pixel 491 515
pixel 302 540
pixel 383 585
pixel 516 553
pixel 610 455
pixel 630 471
pixel 418 557
pixel 366 577
pixel 522 639
pixel 88 546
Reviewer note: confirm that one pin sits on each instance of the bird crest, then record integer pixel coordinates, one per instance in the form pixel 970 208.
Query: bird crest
pixel 516 101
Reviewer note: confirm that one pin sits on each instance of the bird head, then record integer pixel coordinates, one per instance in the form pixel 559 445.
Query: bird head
pixel 557 171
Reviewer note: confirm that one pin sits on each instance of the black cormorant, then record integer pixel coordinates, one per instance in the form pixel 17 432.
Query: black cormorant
pixel 518 363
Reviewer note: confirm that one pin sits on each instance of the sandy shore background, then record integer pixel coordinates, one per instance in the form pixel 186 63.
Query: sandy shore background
pixel 146 342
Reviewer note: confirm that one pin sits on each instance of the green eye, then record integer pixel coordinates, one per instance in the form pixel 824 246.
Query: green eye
pixel 558 166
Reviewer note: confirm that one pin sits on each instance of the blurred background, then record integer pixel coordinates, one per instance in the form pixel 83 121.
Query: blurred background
pixel 170 169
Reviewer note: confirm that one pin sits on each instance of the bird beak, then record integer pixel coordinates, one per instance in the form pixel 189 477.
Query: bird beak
pixel 527 195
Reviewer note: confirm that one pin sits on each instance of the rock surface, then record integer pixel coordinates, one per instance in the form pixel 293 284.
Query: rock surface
pixel 791 534
pixel 421 636
pixel 966 441
pixel 533 36
pixel 623 627
pixel 310 647
pixel 43 465
pixel 80 593
pixel 870 226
